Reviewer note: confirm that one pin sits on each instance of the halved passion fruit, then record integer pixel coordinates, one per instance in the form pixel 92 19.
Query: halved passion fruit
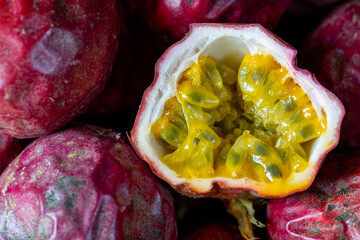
pixel 229 115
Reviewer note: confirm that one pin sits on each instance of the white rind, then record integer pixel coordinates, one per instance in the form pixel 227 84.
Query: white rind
pixel 223 42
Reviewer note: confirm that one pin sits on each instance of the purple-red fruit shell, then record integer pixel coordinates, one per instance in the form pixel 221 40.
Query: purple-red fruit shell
pixel 83 183
pixel 170 20
pixel 333 53
pixel 55 57
pixel 329 209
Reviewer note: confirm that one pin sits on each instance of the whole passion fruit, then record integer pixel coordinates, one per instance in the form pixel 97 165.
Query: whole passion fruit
pixel 54 59
pixel 170 20
pixel 329 209
pixel 229 115
pixel 83 183
pixel 332 52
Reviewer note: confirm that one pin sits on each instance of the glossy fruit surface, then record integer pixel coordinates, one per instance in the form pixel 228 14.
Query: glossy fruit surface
pixel 83 183
pixel 333 53
pixel 55 57
pixel 329 209
pixel 181 141
pixel 170 20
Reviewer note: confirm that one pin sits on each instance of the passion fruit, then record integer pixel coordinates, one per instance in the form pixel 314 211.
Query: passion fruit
pixel 229 115
pixel 329 209
pixel 55 57
pixel 170 20
pixel 83 183
pixel 332 52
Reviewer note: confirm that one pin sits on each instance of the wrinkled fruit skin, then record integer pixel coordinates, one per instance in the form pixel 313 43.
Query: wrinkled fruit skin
pixel 216 231
pixel 170 20
pixel 83 183
pixel 333 54
pixel 9 149
pixel 329 209
pixel 55 57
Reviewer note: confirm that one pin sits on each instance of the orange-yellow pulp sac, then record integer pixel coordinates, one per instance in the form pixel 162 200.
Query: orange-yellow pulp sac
pixel 253 124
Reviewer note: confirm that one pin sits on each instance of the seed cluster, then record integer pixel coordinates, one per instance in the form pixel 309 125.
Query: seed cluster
pixel 252 126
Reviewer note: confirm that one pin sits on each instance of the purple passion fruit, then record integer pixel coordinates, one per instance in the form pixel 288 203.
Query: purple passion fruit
pixel 83 183
pixel 229 115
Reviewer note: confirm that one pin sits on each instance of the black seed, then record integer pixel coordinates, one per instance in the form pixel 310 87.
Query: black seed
pixel 274 171
pixel 172 134
pixel 211 72
pixel 243 72
pixel 258 74
pixel 307 131
pixel 296 117
pixel 196 97
pixel 282 154
pixel 289 105
pixel 235 157
pixel 196 141
pixel 266 80
pixel 208 136
pixel 262 149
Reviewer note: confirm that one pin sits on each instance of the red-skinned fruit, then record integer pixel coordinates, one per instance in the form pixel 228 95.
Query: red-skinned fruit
pixel 170 20
pixel 329 209
pixel 332 52
pixel 55 57
pixel 83 183
pixel 216 231
pixel 9 149
pixel 230 115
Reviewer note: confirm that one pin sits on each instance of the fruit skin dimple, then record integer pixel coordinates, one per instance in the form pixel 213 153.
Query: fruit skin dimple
pixel 83 183
pixel 55 57
pixel 332 52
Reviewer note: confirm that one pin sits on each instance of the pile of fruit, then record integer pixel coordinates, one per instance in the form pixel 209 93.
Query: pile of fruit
pixel 142 119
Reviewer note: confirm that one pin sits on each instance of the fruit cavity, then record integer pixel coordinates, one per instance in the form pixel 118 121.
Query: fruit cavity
pixel 256 123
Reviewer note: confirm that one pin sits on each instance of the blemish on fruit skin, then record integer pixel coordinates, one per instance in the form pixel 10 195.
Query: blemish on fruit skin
pixel 77 154
pixel 12 204
pixel 49 56
pixel 8 180
pixel 62 103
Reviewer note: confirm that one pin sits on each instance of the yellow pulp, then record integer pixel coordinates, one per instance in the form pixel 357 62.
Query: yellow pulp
pixel 252 124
